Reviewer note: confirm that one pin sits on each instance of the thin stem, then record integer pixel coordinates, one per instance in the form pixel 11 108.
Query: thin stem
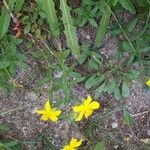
pixel 10 12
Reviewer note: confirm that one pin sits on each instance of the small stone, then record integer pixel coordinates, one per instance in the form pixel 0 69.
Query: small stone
pixel 148 132
pixel 114 125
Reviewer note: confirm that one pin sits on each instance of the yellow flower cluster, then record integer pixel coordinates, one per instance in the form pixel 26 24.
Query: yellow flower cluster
pixel 83 110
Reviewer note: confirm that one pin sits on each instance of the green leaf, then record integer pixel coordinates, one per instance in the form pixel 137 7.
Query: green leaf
pixel 132 24
pixel 4 64
pixel 21 64
pixel 132 74
pixel 111 86
pixel 11 144
pixel 128 5
pixel 100 145
pixel 93 65
pixel 146 49
pixel 127 118
pixel 4 127
pixel 4 22
pixel 115 2
pixel 48 6
pixel 18 5
pixel 99 90
pixel 117 93
pixel 102 29
pixel 70 31
pixel 125 89
pixel 126 46
pixel 93 22
pixel 27 28
pixel 93 81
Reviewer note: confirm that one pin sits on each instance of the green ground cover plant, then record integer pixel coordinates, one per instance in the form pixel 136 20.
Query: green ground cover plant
pixel 54 24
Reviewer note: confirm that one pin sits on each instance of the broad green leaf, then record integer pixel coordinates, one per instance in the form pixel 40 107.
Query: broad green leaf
pixel 125 89
pixel 128 5
pixel 48 6
pixel 127 118
pixel 70 30
pixel 18 5
pixel 100 145
pixel 102 29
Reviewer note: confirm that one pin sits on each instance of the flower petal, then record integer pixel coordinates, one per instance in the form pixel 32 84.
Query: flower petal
pixel 66 147
pixel 78 108
pixel 88 100
pixel 47 106
pixel 53 115
pixel 94 105
pixel 57 113
pixel 53 118
pixel 88 113
pixel 40 112
pixel 80 116
pixel 148 83
pixel 44 117
pixel 74 143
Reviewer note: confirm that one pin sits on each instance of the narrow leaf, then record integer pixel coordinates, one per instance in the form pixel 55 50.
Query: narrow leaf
pixel 102 29
pixel 5 19
pixel 99 90
pixel 127 118
pixel 48 6
pixel 4 22
pixel 93 81
pixel 70 31
pixel 128 5
pixel 100 145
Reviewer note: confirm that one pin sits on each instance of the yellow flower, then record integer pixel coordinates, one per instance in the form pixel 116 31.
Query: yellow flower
pixel 73 145
pixel 48 113
pixel 148 82
pixel 86 108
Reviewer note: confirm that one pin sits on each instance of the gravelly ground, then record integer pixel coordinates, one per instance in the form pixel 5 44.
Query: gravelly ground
pixel 26 124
